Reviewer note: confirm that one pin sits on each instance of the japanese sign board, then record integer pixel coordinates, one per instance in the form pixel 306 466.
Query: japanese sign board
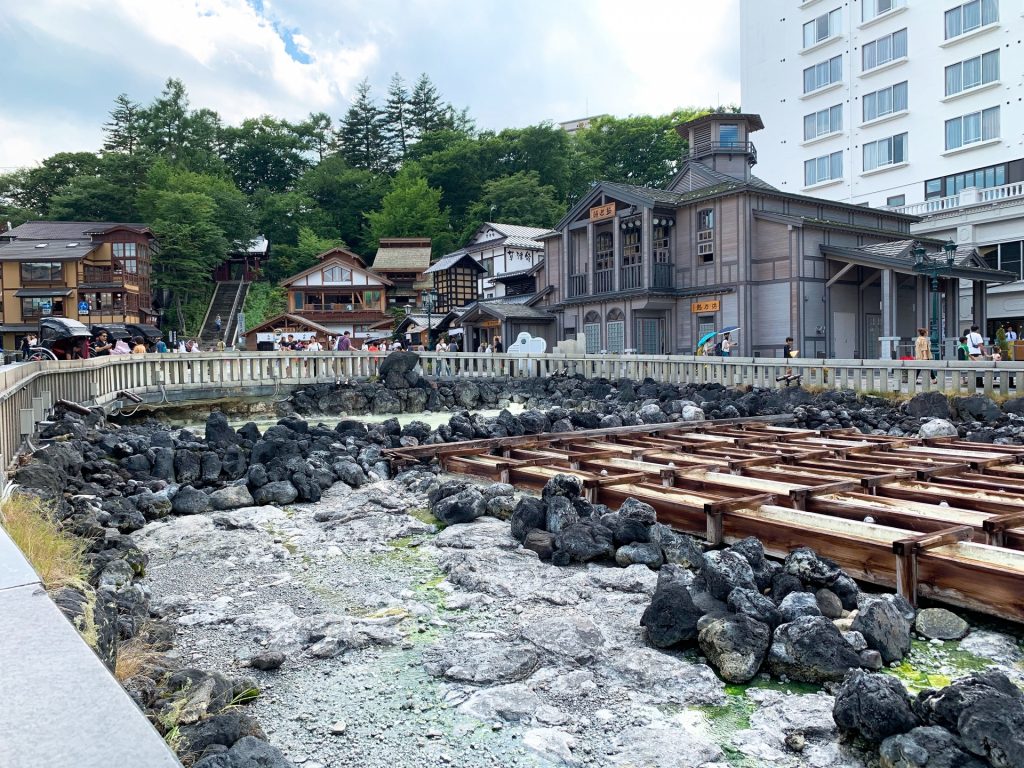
pixel 602 212
pixel 703 307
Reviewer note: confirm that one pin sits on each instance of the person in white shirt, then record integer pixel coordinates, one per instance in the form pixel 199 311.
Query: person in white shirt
pixel 975 343
pixel 727 345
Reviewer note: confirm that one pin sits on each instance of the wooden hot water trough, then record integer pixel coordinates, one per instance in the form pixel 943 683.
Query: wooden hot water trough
pixel 940 518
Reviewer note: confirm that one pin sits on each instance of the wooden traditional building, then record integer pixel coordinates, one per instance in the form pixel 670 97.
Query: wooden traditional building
pixel 652 270
pixel 510 255
pixel 93 272
pixel 244 263
pixel 403 261
pixel 339 294
pixel 454 281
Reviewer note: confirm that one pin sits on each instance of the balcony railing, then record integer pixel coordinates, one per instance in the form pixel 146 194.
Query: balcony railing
pixel 577 285
pixel 631 276
pixel 662 276
pixel 966 197
pixel 101 275
pixel 706 148
pixel 604 281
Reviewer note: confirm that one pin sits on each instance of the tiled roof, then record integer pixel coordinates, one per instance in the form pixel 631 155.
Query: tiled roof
pixel 523 242
pixel 445 262
pixel 65 230
pixel 651 193
pixel 520 272
pixel 504 310
pixel 516 230
pixel 21 250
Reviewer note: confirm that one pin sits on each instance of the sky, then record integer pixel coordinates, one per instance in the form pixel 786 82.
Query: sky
pixel 511 64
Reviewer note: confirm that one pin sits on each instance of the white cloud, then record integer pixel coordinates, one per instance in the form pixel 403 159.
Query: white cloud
pixel 511 65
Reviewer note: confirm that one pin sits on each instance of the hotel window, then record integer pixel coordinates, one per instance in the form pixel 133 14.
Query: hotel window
pixel 823 123
pixel 706 236
pixel 895 201
pixel 873 8
pixel 884 101
pixel 972 128
pixel 825 26
pixel 888 151
pixel 42 272
pixel 824 168
pixel 616 332
pixel 969 16
pixel 592 332
pixel 823 74
pixel 883 50
pixel 970 73
pixel 947 186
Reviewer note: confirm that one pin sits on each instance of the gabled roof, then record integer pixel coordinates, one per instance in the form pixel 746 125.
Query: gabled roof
pixel 449 261
pixel 528 272
pixel 288 319
pixel 752 120
pixel 504 310
pixel 343 252
pixel 402 254
pixel 69 230
pixel 516 235
pixel 257 247
pixel 334 260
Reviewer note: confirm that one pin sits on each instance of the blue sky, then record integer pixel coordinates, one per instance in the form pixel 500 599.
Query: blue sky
pixel 512 64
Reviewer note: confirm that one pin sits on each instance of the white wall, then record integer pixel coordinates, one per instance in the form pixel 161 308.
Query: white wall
pixel 772 65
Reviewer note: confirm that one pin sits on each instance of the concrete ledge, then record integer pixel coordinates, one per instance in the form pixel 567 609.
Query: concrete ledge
pixel 61 707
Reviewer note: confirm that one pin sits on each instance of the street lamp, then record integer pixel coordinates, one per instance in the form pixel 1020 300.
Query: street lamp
pixel 932 267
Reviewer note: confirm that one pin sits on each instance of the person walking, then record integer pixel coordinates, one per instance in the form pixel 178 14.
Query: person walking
pixel 975 344
pixel 727 345
pixel 345 342
pixel 160 346
pixel 218 323
pixel 923 350
pixel 140 346
pixel 498 348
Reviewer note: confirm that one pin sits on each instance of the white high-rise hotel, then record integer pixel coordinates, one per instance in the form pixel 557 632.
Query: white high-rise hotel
pixel 911 104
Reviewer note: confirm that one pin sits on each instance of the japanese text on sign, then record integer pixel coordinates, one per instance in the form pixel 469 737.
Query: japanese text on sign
pixel 705 306
pixel 602 212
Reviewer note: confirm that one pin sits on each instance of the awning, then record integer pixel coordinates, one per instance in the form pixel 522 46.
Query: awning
pixel 39 293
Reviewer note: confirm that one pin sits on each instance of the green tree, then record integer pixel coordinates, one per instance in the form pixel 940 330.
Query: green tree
pixel 516 199
pixel 92 198
pixel 124 129
pixel 317 134
pixel 264 301
pixel 231 211
pixel 427 111
pixel 341 195
pixel 192 244
pixel 542 149
pixel 412 209
pixel 645 151
pixel 361 134
pixel 396 120
pixel 33 188
pixel 460 168
pixel 180 135
pixel 263 153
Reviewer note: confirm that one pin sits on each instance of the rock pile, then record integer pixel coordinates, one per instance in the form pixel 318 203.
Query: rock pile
pixel 804 619
pixel 571 403
pixel 976 721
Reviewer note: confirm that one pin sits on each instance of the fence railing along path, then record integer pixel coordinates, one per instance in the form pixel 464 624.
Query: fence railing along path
pixel 29 389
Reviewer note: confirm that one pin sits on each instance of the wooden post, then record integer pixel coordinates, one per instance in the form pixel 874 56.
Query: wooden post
pixel 907 550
